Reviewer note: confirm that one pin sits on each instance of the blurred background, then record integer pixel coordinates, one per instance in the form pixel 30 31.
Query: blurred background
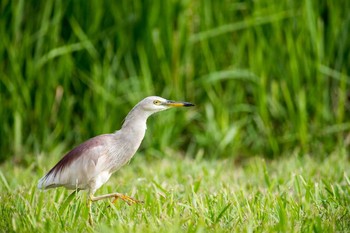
pixel 268 77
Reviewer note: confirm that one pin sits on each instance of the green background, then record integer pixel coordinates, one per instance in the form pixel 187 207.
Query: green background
pixel 267 77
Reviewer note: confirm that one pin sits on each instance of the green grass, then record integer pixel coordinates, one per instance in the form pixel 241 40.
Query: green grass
pixel 270 79
pixel 267 76
pixel 294 194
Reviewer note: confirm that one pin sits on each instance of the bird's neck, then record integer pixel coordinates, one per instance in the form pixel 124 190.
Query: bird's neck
pixel 136 121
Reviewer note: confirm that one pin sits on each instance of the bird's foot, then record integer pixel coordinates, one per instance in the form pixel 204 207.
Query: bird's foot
pixel 127 199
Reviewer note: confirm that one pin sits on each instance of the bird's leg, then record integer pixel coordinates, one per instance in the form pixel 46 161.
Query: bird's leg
pixel 92 198
pixel 114 200
pixel 91 221
pixel 127 199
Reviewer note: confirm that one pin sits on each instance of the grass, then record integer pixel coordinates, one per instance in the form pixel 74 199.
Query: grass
pixel 292 194
pixel 267 76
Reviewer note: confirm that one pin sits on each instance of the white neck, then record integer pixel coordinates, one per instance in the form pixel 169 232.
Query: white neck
pixel 135 122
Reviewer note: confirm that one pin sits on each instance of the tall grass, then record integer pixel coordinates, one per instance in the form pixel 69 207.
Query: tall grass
pixel 267 76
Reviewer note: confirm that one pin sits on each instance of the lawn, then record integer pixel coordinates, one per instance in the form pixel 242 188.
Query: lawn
pixel 290 194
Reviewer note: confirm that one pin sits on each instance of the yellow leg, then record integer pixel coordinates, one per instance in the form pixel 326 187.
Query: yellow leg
pixel 91 221
pixel 127 199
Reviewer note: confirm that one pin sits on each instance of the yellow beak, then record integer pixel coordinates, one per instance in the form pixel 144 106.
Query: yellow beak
pixel 172 103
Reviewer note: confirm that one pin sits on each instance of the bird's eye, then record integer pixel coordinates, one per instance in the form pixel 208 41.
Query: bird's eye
pixel 156 102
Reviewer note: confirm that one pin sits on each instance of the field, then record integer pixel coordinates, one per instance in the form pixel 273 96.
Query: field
pixel 295 194
pixel 265 149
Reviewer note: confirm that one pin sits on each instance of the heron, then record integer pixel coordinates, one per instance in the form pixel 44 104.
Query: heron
pixel 89 165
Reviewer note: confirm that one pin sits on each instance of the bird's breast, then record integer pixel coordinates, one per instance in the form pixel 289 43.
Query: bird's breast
pixel 124 148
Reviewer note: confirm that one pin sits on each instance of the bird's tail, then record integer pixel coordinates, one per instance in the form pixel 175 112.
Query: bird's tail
pixel 47 182
pixel 42 183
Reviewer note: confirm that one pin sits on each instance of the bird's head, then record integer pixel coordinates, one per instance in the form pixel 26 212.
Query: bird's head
pixel 155 104
pixel 147 107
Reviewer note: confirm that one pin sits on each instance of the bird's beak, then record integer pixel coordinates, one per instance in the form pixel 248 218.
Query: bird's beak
pixel 171 103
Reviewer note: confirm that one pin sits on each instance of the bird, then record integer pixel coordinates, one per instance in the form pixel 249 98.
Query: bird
pixel 89 165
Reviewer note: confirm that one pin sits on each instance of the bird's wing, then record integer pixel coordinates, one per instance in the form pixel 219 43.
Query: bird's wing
pixel 78 164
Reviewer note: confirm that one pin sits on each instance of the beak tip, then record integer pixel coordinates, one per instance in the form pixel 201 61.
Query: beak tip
pixel 187 104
